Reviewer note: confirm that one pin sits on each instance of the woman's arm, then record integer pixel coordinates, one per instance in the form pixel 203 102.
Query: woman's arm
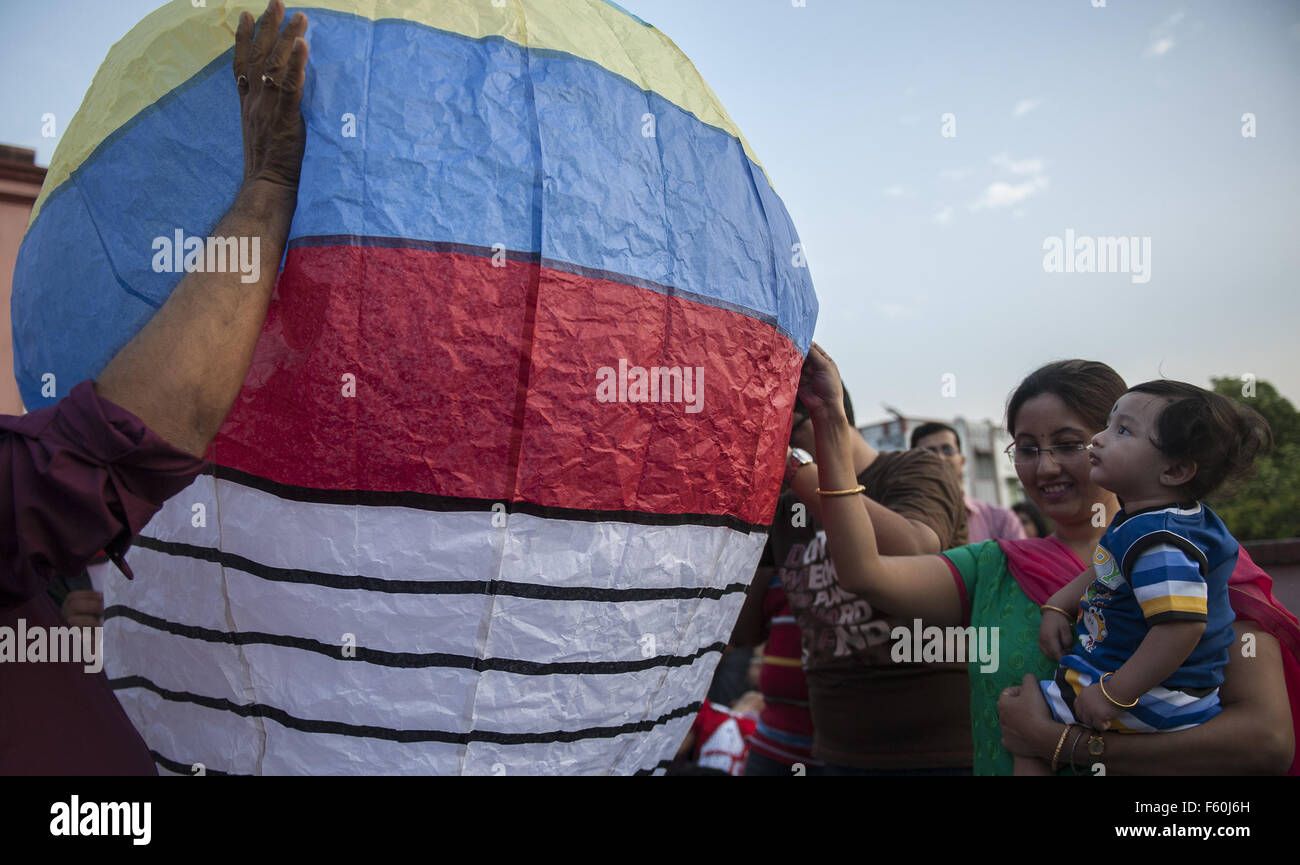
pixel 906 586
pixel 748 631
pixel 896 535
pixel 1252 735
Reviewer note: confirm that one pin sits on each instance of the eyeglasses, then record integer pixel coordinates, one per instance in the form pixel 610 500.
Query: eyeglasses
pixel 1023 455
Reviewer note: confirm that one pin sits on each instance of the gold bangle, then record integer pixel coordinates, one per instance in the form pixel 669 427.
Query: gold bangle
pixel 853 492
pixel 1102 683
pixel 1059 610
pixel 1056 756
pixel 1074 746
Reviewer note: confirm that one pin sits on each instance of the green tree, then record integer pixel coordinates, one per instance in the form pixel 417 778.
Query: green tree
pixel 1268 505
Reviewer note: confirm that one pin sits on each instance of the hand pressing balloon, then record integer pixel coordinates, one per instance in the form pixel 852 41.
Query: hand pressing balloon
pixel 820 387
pixel 270 68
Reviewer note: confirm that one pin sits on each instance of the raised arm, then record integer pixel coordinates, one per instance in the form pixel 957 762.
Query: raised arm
pixel 182 372
pixel 906 586
pixel 896 535
pixel 84 475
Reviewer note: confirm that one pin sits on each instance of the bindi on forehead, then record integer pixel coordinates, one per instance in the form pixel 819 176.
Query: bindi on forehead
pixel 1070 433
pixel 1045 417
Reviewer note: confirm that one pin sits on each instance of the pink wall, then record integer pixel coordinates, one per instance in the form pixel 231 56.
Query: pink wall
pixel 20 183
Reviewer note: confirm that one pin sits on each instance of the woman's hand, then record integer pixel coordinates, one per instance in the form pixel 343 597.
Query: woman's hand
pixel 1028 729
pixel 820 388
pixel 270 68
pixel 1055 635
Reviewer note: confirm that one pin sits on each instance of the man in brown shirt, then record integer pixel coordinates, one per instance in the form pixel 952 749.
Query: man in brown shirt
pixel 872 715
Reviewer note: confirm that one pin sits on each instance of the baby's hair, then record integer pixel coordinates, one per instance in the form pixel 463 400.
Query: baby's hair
pixel 1222 436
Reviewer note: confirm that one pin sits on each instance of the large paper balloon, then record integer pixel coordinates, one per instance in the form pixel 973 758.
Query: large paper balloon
pixel 504 462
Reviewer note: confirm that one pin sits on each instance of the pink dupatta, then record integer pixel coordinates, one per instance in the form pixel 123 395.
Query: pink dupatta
pixel 1041 566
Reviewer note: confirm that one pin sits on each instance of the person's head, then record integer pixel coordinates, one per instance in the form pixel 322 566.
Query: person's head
pixel 942 441
pixel 1032 520
pixel 1061 406
pixel 801 432
pixel 1169 441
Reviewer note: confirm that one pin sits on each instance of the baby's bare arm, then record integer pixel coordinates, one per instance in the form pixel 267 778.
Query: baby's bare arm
pixel 1162 652
pixel 1069 595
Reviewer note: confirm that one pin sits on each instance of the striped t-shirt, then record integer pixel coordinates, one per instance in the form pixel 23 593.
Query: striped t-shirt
pixel 785 728
pixel 1160 565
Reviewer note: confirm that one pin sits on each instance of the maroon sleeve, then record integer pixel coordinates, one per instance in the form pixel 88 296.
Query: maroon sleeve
pixel 78 477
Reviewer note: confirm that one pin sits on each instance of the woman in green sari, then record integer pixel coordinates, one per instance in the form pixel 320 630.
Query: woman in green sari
pixel 1000 585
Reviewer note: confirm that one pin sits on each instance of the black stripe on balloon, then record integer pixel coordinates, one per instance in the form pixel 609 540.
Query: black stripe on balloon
pixel 408 660
pixel 662 764
pixel 327 240
pixel 182 768
pixel 504 588
pixel 458 504
pixel 368 731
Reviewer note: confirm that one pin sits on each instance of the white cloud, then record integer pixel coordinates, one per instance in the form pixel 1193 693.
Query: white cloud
pixel 1160 47
pixel 895 191
pixel 1003 194
pixel 896 311
pixel 1024 106
pixel 1019 166
pixel 1162 36
pixel 943 217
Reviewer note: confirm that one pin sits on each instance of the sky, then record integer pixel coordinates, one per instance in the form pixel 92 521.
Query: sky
pixel 928 152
